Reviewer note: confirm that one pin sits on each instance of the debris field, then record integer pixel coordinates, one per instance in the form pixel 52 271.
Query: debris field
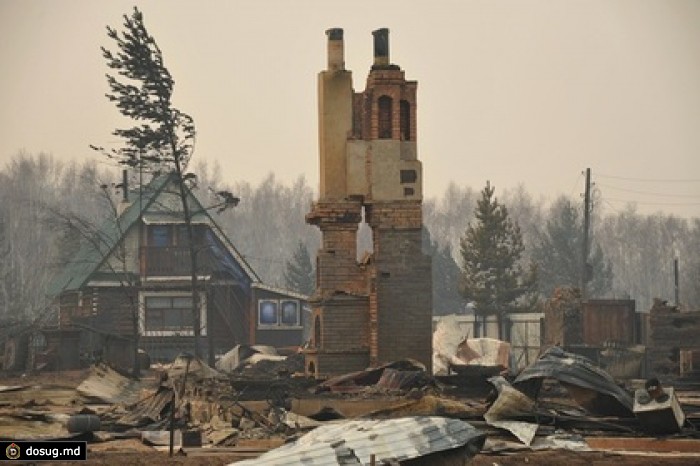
pixel 260 409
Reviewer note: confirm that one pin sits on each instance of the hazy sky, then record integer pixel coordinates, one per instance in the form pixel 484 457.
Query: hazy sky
pixel 516 92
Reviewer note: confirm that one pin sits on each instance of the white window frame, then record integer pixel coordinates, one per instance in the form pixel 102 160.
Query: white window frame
pixel 171 294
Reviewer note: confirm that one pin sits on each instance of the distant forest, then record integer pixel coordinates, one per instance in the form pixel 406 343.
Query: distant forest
pixel 631 254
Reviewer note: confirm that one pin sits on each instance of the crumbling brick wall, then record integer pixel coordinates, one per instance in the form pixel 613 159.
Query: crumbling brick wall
pixel 402 288
pixel 562 316
pixel 671 331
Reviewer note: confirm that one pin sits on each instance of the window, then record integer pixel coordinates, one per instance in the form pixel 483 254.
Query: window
pixel 170 314
pixel 162 236
pixel 268 312
pixel 278 314
pixel 289 313
pixel 183 237
pixel 408 176
pixel 159 236
pixel 384 104
pixel 405 117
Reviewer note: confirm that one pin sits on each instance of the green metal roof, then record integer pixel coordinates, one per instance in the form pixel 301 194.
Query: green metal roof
pixel 93 251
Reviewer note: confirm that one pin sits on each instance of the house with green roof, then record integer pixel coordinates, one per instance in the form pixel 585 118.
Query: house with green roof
pixel 134 275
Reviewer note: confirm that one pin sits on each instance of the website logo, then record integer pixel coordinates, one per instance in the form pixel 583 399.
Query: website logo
pixel 13 451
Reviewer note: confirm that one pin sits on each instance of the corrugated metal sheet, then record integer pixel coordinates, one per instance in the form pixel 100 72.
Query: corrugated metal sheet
pixel 352 442
pixel 393 379
pixel 109 386
pixel 580 372
pixel 147 410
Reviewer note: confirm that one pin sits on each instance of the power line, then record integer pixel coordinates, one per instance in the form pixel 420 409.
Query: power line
pixel 575 185
pixel 634 201
pixel 650 193
pixel 611 206
pixel 651 180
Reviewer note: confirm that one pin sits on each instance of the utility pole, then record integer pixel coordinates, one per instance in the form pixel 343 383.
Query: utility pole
pixel 585 272
pixel 676 287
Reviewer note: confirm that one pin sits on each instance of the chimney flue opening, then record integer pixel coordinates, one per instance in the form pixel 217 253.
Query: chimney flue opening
pixel 334 33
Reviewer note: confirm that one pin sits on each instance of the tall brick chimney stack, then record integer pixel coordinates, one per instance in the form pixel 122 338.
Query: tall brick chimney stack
pixel 336 58
pixel 378 311
pixel 381 47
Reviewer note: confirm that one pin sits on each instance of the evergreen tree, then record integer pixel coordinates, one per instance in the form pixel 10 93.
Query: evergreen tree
pixel 557 252
pixel 446 273
pixel 491 248
pixel 299 274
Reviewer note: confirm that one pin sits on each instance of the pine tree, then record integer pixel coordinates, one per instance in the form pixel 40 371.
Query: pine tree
pixel 557 252
pixel 446 273
pixel 492 276
pixel 299 274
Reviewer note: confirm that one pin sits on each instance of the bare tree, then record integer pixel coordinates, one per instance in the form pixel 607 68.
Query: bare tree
pixel 95 236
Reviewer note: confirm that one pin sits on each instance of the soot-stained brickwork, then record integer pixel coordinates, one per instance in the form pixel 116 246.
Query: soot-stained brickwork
pixel 378 309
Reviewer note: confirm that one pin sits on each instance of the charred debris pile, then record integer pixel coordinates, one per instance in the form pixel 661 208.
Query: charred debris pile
pixel 256 400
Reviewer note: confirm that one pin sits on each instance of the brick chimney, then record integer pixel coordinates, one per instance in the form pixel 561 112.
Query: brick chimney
pixel 381 48
pixel 336 53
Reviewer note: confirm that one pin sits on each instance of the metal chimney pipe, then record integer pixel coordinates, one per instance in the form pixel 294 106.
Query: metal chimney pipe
pixel 336 53
pixel 381 47
pixel 125 186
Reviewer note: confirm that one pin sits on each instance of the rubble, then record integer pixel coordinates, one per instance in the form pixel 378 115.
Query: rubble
pixel 511 404
pixel 593 388
pixel 657 408
pixel 106 385
pixel 265 406
pixel 673 340
pixel 396 376
pixel 452 349
pixel 247 355
pixel 563 316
